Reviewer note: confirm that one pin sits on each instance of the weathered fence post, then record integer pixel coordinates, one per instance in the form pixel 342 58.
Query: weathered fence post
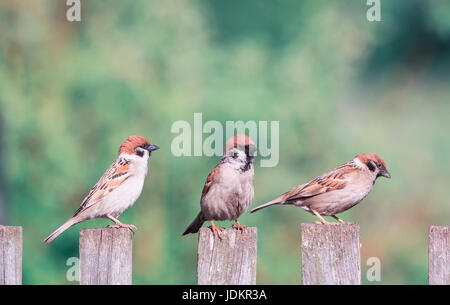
pixel 439 256
pixel 227 261
pixel 331 254
pixel 10 255
pixel 106 256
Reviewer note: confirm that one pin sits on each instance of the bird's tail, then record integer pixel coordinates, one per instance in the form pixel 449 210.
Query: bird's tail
pixel 267 204
pixel 195 225
pixel 72 221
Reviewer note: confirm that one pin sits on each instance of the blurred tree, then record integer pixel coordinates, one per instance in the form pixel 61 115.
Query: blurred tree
pixel 412 37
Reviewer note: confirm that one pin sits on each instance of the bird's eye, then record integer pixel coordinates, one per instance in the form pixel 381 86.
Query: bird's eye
pixel 235 155
pixel 378 164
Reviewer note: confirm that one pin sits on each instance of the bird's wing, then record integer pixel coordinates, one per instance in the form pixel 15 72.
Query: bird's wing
pixel 114 177
pixel 213 175
pixel 331 181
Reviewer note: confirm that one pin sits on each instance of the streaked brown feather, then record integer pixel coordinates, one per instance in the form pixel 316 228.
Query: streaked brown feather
pixel 114 176
pixel 331 181
pixel 209 181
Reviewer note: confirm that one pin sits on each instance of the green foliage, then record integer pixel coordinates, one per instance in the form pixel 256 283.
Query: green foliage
pixel 70 93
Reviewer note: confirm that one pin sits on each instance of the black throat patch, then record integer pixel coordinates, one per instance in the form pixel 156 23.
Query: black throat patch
pixel 248 164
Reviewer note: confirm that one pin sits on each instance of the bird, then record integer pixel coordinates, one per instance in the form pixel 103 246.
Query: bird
pixel 118 188
pixel 228 190
pixel 336 191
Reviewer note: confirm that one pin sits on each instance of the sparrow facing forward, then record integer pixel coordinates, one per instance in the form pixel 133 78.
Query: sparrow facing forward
pixel 228 190
pixel 336 191
pixel 118 188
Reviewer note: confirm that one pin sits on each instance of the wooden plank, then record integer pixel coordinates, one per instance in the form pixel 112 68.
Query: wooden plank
pixel 106 256
pixel 227 261
pixel 10 255
pixel 439 255
pixel 330 254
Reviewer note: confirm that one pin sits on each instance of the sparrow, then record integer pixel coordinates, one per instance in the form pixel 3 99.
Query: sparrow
pixel 118 188
pixel 336 191
pixel 228 190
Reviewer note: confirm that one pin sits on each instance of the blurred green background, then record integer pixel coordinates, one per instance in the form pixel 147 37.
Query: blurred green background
pixel 70 93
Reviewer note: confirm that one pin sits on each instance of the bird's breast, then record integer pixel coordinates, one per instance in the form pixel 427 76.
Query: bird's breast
pixel 338 201
pixel 229 196
pixel 123 197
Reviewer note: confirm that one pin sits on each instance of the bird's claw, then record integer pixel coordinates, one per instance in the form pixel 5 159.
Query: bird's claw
pixel 238 226
pixel 132 228
pixel 216 231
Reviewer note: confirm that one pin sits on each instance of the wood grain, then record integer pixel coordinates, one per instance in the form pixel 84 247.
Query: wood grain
pixel 10 255
pixel 330 254
pixel 106 256
pixel 439 256
pixel 227 261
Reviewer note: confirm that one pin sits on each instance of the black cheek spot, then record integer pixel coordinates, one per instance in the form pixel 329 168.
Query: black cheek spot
pixel 140 153
pixel 370 165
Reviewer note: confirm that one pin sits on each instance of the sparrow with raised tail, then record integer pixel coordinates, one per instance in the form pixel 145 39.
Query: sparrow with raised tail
pixel 228 190
pixel 336 191
pixel 118 188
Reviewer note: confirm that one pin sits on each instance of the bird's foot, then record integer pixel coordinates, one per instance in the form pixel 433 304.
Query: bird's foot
pixel 241 228
pixel 216 230
pixel 238 226
pixel 132 228
pixel 118 224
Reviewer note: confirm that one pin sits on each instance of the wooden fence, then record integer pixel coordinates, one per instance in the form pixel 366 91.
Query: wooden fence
pixel 106 256
pixel 330 255
pixel 10 255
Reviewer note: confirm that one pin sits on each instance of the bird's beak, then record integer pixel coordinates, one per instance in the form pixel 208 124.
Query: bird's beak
pixel 384 173
pixel 152 147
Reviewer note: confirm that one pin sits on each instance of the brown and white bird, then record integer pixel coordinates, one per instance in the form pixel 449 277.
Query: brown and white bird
pixel 228 190
pixel 118 188
pixel 336 191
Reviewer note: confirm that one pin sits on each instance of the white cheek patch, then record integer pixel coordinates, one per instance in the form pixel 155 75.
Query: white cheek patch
pixel 358 162
pixel 141 163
